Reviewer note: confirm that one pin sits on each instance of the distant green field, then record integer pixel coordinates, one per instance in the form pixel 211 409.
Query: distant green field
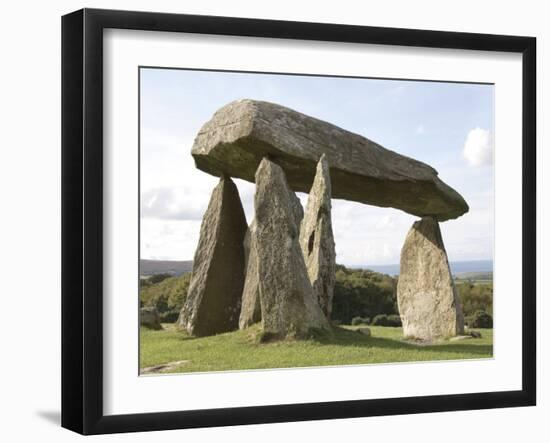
pixel 476 281
pixel 241 350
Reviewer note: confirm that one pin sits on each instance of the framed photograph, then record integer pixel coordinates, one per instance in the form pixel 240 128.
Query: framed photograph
pixel 269 221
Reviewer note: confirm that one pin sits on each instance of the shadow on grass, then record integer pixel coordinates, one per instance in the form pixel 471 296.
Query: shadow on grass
pixel 350 338
pixel 346 337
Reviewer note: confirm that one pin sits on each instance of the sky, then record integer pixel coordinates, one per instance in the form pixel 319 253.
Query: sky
pixel 446 125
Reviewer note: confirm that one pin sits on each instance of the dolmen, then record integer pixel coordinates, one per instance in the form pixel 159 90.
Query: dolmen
pixel 280 270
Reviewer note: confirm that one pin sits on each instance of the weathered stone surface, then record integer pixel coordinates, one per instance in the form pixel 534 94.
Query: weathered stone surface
pixel 288 306
pixel 317 239
pixel 250 307
pixel 149 317
pixel 297 209
pixel 426 295
pixel 214 297
pixel 243 132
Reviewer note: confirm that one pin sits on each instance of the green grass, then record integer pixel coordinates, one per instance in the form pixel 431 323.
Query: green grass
pixel 241 350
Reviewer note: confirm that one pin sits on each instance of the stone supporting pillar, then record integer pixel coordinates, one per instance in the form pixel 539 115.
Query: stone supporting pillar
pixel 317 239
pixel 214 297
pixel 250 306
pixel 426 295
pixel 288 305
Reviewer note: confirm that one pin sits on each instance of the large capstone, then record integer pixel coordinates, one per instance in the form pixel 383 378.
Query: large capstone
pixel 214 297
pixel 250 307
pixel 426 294
pixel 288 305
pixel 317 240
pixel 242 133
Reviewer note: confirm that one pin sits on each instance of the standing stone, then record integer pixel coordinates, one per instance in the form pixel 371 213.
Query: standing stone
pixel 251 308
pixel 317 240
pixel 426 295
pixel 214 297
pixel 288 305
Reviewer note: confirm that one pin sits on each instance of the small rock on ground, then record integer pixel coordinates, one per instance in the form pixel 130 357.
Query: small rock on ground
pixel 364 331
pixel 165 367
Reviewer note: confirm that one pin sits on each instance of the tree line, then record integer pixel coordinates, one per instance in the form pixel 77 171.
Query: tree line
pixel 361 296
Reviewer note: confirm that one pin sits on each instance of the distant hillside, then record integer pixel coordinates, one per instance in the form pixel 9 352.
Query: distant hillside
pixel 457 267
pixel 173 267
pixel 474 276
pixel 479 270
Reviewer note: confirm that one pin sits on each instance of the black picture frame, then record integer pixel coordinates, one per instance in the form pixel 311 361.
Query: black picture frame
pixel 82 218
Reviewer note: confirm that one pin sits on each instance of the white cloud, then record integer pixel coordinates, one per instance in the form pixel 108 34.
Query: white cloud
pixel 420 130
pixel 386 221
pixel 478 148
pixel 246 193
pixel 179 203
pixel 169 239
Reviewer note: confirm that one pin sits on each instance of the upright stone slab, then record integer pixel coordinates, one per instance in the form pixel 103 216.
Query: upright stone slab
pixel 250 307
pixel 317 239
pixel 214 297
pixel 426 295
pixel 288 305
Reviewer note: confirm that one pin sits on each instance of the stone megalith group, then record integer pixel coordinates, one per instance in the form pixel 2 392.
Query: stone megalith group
pixel 280 270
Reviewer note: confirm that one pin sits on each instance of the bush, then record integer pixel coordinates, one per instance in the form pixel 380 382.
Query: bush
pixel 386 320
pixel 394 320
pixel 169 316
pixel 144 282
pixel 355 321
pixel 362 293
pixel 475 297
pixel 168 296
pixel 157 278
pixel 380 320
pixel 480 319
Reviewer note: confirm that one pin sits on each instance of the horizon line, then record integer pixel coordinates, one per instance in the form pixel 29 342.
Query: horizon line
pixel 344 264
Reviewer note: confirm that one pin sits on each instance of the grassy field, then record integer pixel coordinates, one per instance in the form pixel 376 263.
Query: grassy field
pixel 241 350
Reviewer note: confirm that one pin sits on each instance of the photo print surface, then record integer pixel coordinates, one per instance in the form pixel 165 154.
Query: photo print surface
pixel 293 221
